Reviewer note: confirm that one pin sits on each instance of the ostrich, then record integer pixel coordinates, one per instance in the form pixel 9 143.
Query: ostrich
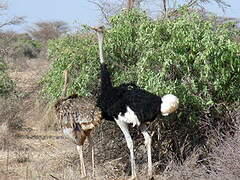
pixel 78 116
pixel 129 104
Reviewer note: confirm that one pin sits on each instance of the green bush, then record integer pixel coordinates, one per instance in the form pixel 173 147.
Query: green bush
pixel 26 48
pixel 6 84
pixel 78 54
pixel 188 56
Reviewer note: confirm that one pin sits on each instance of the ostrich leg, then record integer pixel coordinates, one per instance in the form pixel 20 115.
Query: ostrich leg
pixel 82 165
pixel 148 142
pixel 124 127
pixel 92 151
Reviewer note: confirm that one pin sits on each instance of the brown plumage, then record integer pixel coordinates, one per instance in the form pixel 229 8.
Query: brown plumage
pixel 78 116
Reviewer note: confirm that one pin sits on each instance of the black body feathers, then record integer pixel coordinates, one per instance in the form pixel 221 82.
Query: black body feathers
pixel 113 101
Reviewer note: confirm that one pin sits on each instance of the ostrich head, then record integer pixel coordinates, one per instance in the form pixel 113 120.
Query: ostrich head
pixel 99 29
pixel 169 104
pixel 100 33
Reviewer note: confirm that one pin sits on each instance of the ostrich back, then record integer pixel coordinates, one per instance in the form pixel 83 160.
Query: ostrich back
pixel 78 113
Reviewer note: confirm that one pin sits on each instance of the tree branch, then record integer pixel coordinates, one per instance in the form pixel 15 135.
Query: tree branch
pixel 193 3
pixel 101 8
pixel 14 21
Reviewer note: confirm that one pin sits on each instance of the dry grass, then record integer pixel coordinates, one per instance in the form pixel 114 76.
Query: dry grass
pixel 222 164
pixel 48 120
pixel 9 113
pixel 225 158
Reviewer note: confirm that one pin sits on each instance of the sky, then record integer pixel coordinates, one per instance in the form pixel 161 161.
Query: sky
pixel 76 12
pixel 71 11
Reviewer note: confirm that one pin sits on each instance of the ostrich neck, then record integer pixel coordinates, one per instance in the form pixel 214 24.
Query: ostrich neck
pixel 64 92
pixel 100 44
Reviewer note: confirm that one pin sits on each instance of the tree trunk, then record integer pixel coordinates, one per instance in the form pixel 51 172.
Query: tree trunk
pixel 130 4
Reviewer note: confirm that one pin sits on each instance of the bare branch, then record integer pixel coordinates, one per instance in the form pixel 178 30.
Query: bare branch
pixel 101 8
pixel 191 3
pixel 221 3
pixel 53 177
pixel 13 21
pixel 108 9
pixel 130 4
pixel 133 3
pixel 165 7
pixel 197 3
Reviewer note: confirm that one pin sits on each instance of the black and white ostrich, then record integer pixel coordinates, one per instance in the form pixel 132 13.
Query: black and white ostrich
pixel 129 104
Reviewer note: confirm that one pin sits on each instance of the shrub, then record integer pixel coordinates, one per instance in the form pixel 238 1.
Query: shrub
pixel 6 84
pixel 26 48
pixel 189 56
pixel 78 54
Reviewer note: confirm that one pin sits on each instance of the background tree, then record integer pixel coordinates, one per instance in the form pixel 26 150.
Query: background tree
pixel 46 30
pixel 7 37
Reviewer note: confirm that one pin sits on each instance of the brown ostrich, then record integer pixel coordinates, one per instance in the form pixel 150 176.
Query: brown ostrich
pixel 78 116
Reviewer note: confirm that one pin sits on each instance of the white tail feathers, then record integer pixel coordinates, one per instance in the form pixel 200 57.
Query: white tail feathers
pixel 169 104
